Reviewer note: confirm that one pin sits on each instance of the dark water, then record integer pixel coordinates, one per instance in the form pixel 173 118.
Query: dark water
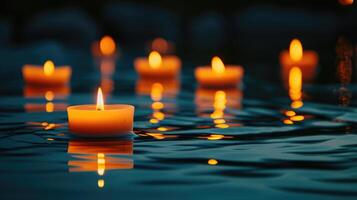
pixel 188 147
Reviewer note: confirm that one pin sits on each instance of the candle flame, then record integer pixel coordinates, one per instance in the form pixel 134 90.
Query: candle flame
pixel 296 50
pixel 100 101
pixel 217 65
pixel 107 45
pixel 48 68
pixel 155 60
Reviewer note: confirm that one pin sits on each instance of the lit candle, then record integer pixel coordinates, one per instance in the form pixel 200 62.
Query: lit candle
pixel 158 66
pixel 162 46
pixel 47 75
pixel 306 60
pixel 219 75
pixel 100 120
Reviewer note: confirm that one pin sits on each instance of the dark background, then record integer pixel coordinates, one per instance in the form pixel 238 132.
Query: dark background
pixel 247 32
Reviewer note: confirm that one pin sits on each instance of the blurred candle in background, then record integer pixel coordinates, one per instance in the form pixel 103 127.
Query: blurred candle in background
pixel 106 47
pixel 346 2
pixel 158 66
pixel 162 46
pixel 306 60
pixel 219 75
pixel 46 75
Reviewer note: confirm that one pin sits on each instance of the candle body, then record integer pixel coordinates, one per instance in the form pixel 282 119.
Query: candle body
pixel 170 67
pixel 86 121
pixel 307 64
pixel 206 77
pixel 34 75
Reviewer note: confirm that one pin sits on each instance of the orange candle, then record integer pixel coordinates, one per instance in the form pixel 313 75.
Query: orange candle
pixel 47 75
pixel 100 120
pixel 158 66
pixel 306 60
pixel 218 75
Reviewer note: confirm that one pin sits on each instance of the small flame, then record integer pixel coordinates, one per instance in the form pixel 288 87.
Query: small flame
pixel 155 60
pixel 217 65
pixel 100 101
pixel 107 45
pixel 48 68
pixel 296 50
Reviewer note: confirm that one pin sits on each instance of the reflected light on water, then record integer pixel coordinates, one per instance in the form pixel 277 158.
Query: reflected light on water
pixel 295 87
pixel 107 46
pixel 212 162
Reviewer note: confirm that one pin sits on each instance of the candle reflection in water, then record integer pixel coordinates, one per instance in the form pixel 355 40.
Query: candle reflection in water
pixel 50 94
pixel 296 56
pixel 100 156
pixel 217 100
pixel 106 55
pixel 295 93
pixel 162 93
pixel 344 51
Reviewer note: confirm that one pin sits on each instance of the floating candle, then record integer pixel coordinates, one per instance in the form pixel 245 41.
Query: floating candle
pixel 158 66
pixel 46 75
pixel 99 120
pixel 306 60
pixel 218 75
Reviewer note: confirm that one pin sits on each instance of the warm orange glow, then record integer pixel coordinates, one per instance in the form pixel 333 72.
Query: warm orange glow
pixel 156 91
pixel 101 183
pixel 297 118
pixel 100 101
pixel 217 65
pixel 346 2
pixel 158 115
pixel 295 83
pixel 290 113
pixel 296 50
pixel 48 68
pixel 157 136
pixel 297 104
pixel 212 162
pixel 50 107
pixel 107 45
pixel 155 60
pixel 160 45
pixel 162 129
pixel 49 95
pixel 288 122
pixel 100 163
pixel 215 137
